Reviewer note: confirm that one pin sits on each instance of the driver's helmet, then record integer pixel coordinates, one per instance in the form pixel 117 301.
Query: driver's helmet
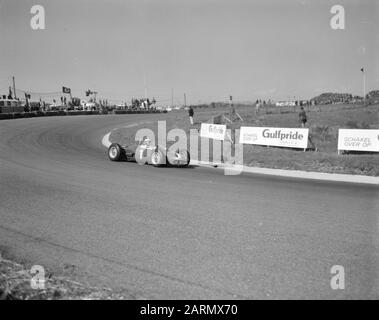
pixel 146 142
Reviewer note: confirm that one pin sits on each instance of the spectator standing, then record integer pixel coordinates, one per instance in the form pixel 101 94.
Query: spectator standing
pixel 190 113
pixel 302 117
pixel 257 106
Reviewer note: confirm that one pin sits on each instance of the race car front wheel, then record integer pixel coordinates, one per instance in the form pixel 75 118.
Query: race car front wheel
pixel 114 152
pixel 157 158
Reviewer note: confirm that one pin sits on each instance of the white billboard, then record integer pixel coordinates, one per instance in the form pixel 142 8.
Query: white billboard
pixel 213 131
pixel 358 139
pixel 278 137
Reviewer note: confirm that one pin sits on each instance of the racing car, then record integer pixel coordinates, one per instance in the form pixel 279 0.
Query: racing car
pixel 146 152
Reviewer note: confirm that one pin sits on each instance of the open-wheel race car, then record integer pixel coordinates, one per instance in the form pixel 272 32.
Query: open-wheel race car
pixel 146 152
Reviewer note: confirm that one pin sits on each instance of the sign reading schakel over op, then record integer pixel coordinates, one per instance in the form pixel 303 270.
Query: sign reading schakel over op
pixel 358 139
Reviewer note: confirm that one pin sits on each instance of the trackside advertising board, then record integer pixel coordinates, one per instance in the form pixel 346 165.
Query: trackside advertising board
pixel 278 137
pixel 358 139
pixel 213 131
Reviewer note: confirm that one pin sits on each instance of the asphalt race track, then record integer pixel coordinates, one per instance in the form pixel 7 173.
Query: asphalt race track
pixel 177 233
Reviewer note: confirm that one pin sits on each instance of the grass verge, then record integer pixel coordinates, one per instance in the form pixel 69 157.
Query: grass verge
pixel 323 124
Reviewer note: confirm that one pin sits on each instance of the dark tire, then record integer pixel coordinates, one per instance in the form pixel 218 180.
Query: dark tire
pixel 184 155
pixel 188 159
pixel 157 158
pixel 115 152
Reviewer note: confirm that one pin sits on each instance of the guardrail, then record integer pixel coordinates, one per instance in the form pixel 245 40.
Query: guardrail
pixel 20 115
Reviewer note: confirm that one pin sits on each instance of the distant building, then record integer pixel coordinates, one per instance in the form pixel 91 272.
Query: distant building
pixel 285 104
pixel 10 105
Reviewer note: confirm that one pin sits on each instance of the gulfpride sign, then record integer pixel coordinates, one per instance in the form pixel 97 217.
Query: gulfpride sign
pixel 213 131
pixel 358 139
pixel 278 137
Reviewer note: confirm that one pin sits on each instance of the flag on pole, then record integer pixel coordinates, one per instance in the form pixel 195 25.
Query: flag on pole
pixel 66 90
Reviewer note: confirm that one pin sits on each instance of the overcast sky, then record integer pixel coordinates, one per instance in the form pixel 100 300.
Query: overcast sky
pixel 207 49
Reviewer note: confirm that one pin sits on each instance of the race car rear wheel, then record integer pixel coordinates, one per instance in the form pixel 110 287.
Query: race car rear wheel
pixel 185 155
pixel 115 152
pixel 179 158
pixel 157 158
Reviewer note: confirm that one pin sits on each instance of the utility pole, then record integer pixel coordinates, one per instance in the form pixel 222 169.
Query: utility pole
pixel 172 97
pixel 14 88
pixel 364 86
pixel 144 80
pixel 185 100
